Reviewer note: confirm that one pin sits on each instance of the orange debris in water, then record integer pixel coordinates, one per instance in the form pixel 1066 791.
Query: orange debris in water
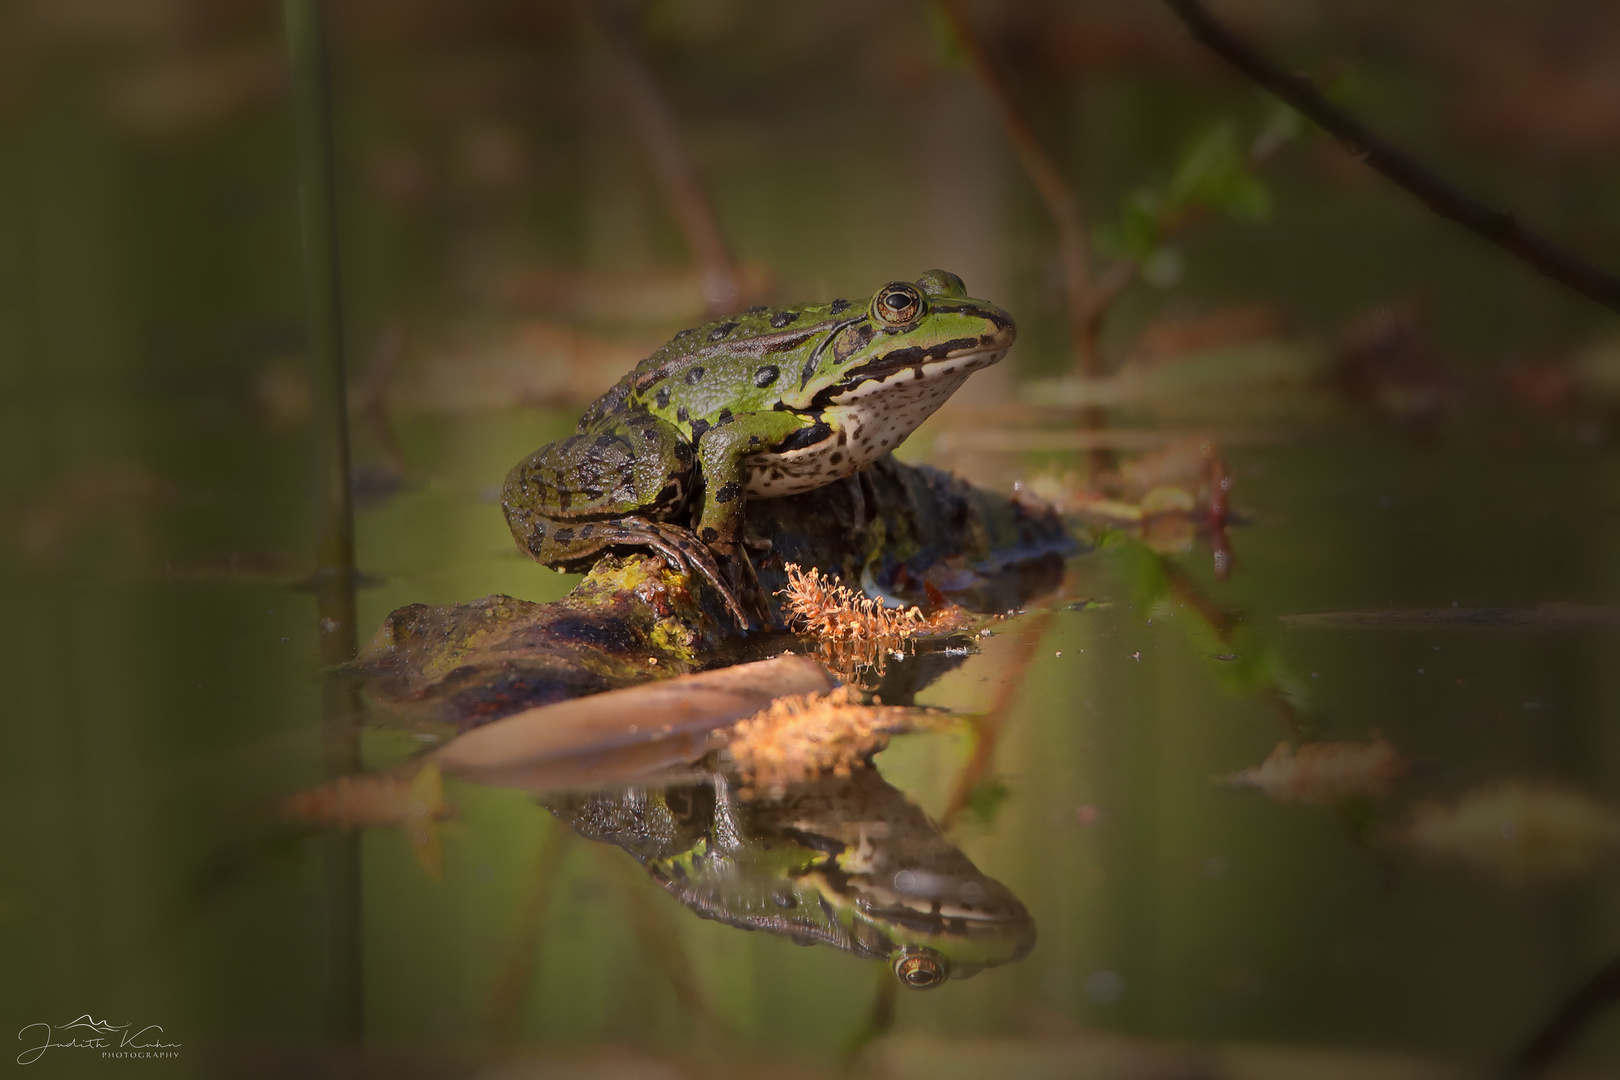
pixel 1323 773
pixel 835 612
pixel 804 735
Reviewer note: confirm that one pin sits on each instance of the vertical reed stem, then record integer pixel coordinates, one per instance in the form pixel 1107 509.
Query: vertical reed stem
pixel 334 512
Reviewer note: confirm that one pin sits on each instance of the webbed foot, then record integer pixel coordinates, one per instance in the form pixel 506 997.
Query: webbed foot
pixel 683 553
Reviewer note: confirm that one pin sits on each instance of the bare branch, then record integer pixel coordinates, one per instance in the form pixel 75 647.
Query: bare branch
pixel 1497 226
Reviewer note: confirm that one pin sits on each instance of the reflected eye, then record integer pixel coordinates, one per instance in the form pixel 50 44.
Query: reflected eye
pixel 921 969
pixel 897 304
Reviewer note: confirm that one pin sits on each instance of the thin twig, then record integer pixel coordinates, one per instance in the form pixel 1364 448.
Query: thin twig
pixel 516 981
pixel 1497 226
pixel 1574 1016
pixel 661 138
pixel 1055 191
pixel 987 730
pixel 334 503
pixel 374 397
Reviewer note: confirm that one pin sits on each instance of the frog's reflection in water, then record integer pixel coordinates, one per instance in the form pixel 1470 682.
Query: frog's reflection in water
pixel 843 861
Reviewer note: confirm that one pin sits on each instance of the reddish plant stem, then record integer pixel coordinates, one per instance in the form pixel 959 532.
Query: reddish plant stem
pixel 1085 316
pixel 988 729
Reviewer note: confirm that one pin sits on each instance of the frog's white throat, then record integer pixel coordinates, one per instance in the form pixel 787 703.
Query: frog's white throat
pixel 868 420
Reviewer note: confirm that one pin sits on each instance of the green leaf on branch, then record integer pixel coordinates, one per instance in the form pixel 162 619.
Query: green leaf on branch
pixel 1215 173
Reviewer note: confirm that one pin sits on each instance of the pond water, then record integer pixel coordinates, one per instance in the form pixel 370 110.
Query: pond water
pixel 1177 919
pixel 1349 809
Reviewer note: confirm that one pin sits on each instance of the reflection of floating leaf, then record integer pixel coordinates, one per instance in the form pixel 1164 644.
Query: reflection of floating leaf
pixel 1164 498
pixel 1324 773
pixel 185 91
pixel 85 497
pixel 624 734
pixel 255 566
pixel 358 802
pixel 1387 362
pixel 1518 829
pixel 660 297
pixel 803 736
pixel 1541 617
pixel 1232 377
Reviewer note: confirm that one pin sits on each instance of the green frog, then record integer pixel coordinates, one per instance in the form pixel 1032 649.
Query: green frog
pixel 768 402
pixel 848 862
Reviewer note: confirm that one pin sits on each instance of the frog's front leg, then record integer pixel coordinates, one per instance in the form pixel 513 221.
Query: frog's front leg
pixel 723 452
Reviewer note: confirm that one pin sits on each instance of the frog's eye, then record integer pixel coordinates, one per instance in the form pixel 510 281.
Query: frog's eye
pixel 897 304
pixel 921 969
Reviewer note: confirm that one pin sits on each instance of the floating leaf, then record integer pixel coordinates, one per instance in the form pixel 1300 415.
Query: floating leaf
pixel 1518 829
pixel 624 734
pixel 358 802
pixel 1555 616
pixel 1326 773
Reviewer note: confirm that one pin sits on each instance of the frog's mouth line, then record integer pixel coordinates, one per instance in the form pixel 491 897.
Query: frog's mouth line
pixel 959 357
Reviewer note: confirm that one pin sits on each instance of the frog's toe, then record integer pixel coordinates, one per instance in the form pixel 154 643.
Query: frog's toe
pixel 685 553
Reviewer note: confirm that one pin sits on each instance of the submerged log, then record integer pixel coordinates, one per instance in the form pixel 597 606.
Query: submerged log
pixel 913 532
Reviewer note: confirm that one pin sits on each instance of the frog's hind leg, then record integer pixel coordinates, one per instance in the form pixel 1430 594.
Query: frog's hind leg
pixel 681 551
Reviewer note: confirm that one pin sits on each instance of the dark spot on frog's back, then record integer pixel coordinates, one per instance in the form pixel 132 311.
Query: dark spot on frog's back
pixel 839 305
pixel 699 426
pixel 663 396
pixel 728 492
pixel 694 374
pixel 710 534
pixel 563 536
pixel 783 318
pixel 722 330
pixel 766 375
pixel 683 333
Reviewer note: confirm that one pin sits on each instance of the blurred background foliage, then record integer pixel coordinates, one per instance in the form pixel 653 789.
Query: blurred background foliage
pixel 509 250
